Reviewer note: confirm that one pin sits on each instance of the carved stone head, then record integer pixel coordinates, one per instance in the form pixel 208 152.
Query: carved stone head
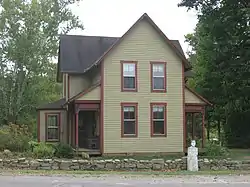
pixel 193 143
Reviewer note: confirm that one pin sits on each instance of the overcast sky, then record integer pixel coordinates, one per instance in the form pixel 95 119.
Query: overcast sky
pixel 115 17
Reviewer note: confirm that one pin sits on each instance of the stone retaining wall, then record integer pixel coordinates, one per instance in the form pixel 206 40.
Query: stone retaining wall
pixel 125 164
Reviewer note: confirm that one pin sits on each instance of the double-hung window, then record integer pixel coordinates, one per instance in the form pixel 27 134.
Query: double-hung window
pixel 129 76
pixel 129 119
pixel 52 125
pixel 158 119
pixel 158 79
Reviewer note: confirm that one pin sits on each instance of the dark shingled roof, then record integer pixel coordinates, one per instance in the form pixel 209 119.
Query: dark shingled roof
pixel 55 105
pixel 77 53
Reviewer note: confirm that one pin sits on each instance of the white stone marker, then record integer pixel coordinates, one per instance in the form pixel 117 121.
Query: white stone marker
pixel 192 158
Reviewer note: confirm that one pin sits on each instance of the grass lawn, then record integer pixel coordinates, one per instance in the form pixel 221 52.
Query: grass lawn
pixel 120 173
pixel 240 154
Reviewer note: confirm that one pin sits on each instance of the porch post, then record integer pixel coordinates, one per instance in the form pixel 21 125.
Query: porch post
pixel 76 131
pixel 203 127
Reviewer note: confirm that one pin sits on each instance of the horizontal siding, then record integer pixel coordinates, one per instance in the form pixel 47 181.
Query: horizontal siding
pixel 63 132
pixel 92 95
pixel 96 78
pixel 78 83
pixel 142 44
pixel 192 98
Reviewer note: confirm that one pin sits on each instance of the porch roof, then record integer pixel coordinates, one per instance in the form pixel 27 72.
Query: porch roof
pixel 83 92
pixel 54 105
pixel 199 96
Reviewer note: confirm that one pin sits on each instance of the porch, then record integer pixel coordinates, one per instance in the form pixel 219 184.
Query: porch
pixel 194 128
pixel 195 124
pixel 84 128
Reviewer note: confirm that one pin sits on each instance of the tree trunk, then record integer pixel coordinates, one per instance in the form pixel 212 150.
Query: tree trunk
pixel 219 134
pixel 208 129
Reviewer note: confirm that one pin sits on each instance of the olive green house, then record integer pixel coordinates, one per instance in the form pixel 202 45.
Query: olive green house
pixel 123 95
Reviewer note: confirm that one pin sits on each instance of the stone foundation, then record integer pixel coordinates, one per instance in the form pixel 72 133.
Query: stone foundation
pixel 125 164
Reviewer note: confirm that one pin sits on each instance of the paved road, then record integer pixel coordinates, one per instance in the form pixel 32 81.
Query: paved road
pixel 114 181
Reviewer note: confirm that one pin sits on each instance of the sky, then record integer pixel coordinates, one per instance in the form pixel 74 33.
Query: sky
pixel 115 17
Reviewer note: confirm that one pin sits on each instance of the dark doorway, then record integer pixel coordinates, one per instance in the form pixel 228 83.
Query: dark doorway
pixel 194 130
pixel 88 132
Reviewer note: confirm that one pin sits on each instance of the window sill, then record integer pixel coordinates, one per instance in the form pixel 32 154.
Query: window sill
pixel 158 91
pixel 129 90
pixel 158 135
pixel 129 136
pixel 56 140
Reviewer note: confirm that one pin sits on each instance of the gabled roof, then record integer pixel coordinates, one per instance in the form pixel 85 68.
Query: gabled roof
pixel 199 96
pixel 164 37
pixel 83 92
pixel 54 105
pixel 78 54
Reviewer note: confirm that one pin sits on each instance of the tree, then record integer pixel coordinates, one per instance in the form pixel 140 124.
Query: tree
pixel 29 42
pixel 222 63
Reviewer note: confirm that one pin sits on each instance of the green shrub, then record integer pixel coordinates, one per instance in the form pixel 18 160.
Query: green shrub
pixel 43 150
pixel 15 138
pixel 63 151
pixel 4 139
pixel 214 149
pixel 32 145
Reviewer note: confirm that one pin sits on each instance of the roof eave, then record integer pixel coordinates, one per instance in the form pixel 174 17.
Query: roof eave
pixel 38 109
pixel 59 73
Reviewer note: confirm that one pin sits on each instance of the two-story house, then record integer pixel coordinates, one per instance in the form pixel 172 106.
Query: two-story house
pixel 122 95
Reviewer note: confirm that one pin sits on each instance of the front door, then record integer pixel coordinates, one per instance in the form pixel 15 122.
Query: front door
pixel 87 130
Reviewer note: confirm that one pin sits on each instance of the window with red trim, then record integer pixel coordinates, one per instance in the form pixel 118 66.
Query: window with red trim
pixel 158 79
pixel 129 76
pixel 158 119
pixel 129 119
pixel 52 125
